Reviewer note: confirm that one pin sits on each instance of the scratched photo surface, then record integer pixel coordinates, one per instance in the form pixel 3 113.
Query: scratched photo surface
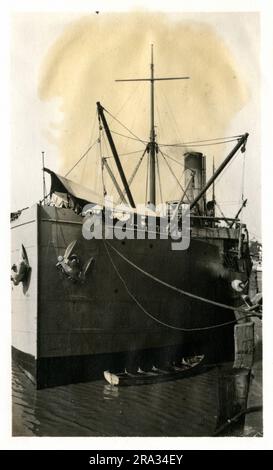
pixel 181 330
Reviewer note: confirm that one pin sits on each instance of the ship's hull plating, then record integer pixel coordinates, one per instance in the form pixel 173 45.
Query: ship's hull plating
pixel 65 331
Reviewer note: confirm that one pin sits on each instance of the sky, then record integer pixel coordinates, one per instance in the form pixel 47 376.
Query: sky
pixel 62 64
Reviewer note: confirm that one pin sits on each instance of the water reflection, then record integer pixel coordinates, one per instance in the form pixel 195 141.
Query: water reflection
pixel 110 392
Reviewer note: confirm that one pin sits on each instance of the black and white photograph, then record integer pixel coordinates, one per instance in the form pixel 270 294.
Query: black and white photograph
pixel 136 231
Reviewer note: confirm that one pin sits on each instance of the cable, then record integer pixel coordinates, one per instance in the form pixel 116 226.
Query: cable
pixel 130 153
pixel 127 100
pixel 131 179
pixel 101 162
pixel 123 125
pixel 128 137
pixel 154 318
pixel 180 291
pixel 171 158
pixel 228 138
pixel 174 175
pixel 220 210
pixel 84 155
pixel 251 409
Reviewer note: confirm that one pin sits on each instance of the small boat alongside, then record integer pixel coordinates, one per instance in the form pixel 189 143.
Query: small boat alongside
pixel 186 368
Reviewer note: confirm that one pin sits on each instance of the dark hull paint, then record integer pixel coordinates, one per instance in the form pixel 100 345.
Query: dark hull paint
pixel 55 371
pixel 83 329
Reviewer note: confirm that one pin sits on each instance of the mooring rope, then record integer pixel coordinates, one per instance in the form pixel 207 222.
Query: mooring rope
pixel 177 289
pixel 251 409
pixel 231 322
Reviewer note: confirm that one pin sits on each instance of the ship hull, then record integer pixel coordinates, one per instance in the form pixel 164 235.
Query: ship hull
pixel 68 331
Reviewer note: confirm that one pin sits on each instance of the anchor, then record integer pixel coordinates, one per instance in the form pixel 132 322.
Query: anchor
pixel 20 271
pixel 71 266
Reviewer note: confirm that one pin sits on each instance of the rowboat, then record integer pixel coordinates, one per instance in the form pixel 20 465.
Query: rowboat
pixel 187 367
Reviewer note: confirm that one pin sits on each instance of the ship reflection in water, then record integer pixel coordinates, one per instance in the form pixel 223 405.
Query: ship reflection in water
pixel 187 407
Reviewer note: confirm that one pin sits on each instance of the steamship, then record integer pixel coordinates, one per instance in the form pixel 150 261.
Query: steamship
pixel 81 305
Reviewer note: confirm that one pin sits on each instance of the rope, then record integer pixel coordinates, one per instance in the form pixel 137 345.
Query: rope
pixel 195 143
pixel 131 179
pixel 172 116
pixel 171 171
pixel 127 129
pixel 234 137
pixel 150 315
pixel 171 158
pixel 128 137
pixel 179 145
pixel 243 176
pixel 201 144
pixel 174 175
pixel 220 210
pixel 204 328
pixel 128 99
pixel 101 163
pixel 180 291
pixel 80 159
pixel 130 153
pixel 251 409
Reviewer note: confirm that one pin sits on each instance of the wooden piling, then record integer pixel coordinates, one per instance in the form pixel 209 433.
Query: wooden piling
pixel 244 345
pixel 233 388
pixel 233 382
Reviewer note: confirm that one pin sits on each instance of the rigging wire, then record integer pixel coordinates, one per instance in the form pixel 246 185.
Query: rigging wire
pixel 231 138
pixel 97 168
pixel 226 168
pixel 82 157
pixel 131 179
pixel 106 148
pixel 171 158
pixel 89 148
pixel 101 162
pixel 125 127
pixel 200 144
pixel 136 105
pixel 127 100
pixel 171 113
pixel 172 172
pixel 128 137
pixel 243 176
pixel 130 153
pixel 220 210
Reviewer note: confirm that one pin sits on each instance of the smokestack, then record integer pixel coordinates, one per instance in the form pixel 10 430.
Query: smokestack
pixel 195 162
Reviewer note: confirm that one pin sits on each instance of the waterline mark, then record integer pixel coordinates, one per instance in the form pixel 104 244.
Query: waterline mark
pixel 145 222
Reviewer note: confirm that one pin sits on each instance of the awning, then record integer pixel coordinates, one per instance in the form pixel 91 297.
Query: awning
pixel 83 195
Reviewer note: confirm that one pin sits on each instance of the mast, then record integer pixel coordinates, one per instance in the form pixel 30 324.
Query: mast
pixel 152 147
pixel 213 187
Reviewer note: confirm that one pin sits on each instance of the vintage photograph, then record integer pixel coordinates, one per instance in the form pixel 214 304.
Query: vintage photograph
pixel 136 240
